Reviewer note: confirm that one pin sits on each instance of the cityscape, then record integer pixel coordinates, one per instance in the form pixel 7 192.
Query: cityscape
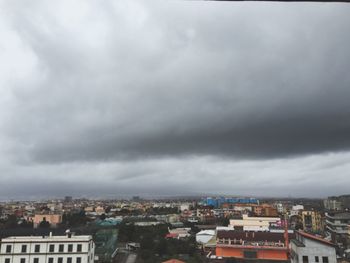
pixel 207 229
pixel 174 131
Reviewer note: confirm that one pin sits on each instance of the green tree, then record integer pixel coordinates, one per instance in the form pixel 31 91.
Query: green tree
pixel 44 224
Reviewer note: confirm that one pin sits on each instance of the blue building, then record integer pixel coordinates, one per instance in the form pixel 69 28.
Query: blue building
pixel 216 202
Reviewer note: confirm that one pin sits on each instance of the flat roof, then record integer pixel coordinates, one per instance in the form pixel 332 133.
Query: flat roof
pixel 19 239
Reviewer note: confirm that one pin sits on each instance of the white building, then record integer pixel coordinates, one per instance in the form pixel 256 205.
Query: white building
pixel 296 210
pixel 205 236
pixel 47 249
pixel 254 223
pixel 297 207
pixel 307 248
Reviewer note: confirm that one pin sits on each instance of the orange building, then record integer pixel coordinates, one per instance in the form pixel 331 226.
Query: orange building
pixel 252 245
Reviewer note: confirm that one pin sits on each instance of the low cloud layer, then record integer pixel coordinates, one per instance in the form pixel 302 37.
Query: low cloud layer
pixel 173 93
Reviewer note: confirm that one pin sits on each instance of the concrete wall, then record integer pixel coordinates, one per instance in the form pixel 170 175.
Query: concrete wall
pixel 86 255
pixel 313 249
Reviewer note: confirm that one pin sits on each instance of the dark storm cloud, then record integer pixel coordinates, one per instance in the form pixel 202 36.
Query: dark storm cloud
pixel 267 83
pixel 168 92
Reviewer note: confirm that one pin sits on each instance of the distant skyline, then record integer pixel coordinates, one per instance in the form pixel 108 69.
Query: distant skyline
pixel 157 98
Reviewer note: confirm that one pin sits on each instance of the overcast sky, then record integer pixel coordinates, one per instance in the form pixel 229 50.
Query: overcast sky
pixel 174 97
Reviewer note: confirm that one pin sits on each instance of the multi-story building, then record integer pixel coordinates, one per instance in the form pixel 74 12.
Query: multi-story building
pixel 312 221
pixel 337 226
pixel 265 210
pixel 47 249
pixel 332 203
pixel 271 247
pixel 311 249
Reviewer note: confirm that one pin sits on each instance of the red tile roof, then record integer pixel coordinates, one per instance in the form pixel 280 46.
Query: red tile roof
pixel 316 238
pixel 171 235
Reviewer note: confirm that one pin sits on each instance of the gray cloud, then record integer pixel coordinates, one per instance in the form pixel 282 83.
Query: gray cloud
pixel 159 81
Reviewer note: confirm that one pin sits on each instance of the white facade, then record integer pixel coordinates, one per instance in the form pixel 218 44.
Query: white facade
pixel 254 223
pixel 47 249
pixel 305 249
pixel 296 209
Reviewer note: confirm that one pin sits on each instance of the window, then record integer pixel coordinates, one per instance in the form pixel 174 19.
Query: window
pixel 7 260
pixel 37 248
pixel 250 254
pixel 23 260
pixel 60 260
pixel 317 259
pixel 78 260
pixel 61 248
pixel 36 260
pixel 51 249
pixel 8 248
pixel 50 260
pixel 69 260
pixel 70 247
pixel 325 259
pixel 79 248
pixel 24 249
pixel 305 259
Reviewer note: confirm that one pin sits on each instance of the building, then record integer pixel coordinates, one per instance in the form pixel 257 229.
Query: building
pixel 307 248
pixel 206 239
pixel 254 223
pixel 345 201
pixel 296 210
pixel 52 219
pixel 312 221
pixel 337 203
pixel 265 210
pixel 47 249
pixel 252 245
pixel 337 226
pixel 332 203
pixel 178 233
pixel 218 201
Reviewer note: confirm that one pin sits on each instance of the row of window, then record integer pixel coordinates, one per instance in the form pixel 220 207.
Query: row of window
pixel 50 260
pixel 51 248
pixel 317 259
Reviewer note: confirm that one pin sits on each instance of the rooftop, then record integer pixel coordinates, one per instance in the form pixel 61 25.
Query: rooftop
pixel 252 236
pixel 21 239
pixel 315 238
